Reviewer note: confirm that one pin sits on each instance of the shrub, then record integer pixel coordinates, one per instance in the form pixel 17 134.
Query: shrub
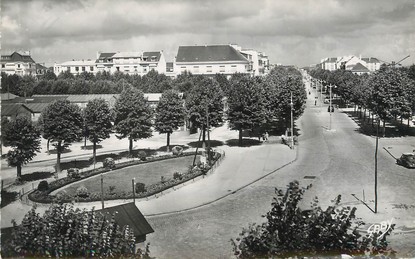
pixel 140 187
pixel 111 189
pixel 109 163
pixel 43 186
pixel 162 179
pixel 82 192
pixel 62 195
pixel 177 151
pixel 142 155
pixel 73 173
pixel 178 176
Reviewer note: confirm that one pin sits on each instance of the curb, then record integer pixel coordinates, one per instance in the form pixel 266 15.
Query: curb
pixel 389 153
pixel 226 195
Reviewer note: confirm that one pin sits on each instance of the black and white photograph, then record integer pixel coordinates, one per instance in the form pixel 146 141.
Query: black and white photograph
pixel 182 129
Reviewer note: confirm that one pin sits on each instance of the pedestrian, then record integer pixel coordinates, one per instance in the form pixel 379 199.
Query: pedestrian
pixel 266 136
pixel 315 102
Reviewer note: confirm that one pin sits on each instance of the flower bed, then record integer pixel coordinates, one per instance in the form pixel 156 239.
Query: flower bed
pixel 45 197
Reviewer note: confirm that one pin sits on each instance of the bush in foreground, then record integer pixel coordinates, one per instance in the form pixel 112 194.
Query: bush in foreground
pixel 63 232
pixel 292 232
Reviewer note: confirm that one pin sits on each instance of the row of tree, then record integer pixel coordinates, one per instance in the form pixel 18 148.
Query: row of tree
pixel 389 93
pixel 255 104
pixel 100 83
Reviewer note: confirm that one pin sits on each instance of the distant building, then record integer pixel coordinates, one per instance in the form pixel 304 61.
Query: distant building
pixel 139 63
pixel 351 63
pixel 75 67
pixel 259 63
pixel 18 64
pixel 211 60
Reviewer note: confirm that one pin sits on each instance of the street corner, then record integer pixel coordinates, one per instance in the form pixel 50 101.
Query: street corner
pixel 397 150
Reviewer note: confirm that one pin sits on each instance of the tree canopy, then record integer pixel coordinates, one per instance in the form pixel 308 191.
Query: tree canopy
pixel 291 231
pixel 97 118
pixel 24 139
pixel 170 114
pixel 62 123
pixel 133 116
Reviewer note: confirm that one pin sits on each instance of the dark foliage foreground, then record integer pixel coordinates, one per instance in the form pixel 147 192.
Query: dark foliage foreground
pixel 65 232
pixel 292 232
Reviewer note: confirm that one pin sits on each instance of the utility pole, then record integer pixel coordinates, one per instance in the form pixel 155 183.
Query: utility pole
pixel 376 164
pixel 133 181
pixel 102 191
pixel 292 122
pixel 331 86
pixel 208 134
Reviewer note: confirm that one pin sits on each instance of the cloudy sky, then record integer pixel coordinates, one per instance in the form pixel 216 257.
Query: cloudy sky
pixel 299 32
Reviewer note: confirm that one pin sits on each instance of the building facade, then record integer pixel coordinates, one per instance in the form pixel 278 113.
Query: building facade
pixel 352 63
pixel 18 64
pixel 75 67
pixel 211 60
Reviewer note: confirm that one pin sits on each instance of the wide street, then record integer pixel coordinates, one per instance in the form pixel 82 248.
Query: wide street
pixel 340 161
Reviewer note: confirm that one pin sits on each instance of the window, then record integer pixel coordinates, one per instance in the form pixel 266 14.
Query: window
pixel 118 68
pixel 221 68
pixel 3 65
pixel 196 69
pixel 18 65
pixel 91 68
pixel 76 69
pixel 209 69
pixel 83 69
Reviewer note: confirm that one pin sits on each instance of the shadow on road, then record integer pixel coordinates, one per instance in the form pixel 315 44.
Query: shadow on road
pixel 213 143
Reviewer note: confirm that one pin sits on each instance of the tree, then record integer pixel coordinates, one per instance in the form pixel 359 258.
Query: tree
pixel 24 139
pixel 170 114
pixel 246 104
pixel 65 232
pixel 133 116
pixel 27 85
pixel 98 122
pixel 290 231
pixel 205 100
pixel 62 123
pixel 390 96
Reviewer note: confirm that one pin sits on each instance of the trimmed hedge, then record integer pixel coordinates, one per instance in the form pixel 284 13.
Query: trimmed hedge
pixel 44 197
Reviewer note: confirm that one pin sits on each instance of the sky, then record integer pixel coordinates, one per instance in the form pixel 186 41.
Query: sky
pixel 290 32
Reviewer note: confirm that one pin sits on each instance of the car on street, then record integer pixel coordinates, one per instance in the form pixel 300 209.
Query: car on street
pixel 407 160
pixel 332 108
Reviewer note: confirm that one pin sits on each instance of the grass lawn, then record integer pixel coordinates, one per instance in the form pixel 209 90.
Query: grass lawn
pixel 148 173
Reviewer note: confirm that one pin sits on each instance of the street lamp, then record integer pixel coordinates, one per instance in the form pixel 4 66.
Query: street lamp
pixel 133 181
pixel 330 107
pixel 292 122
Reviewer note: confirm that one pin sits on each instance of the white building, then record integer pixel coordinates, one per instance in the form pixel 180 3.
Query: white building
pixel 211 60
pixel 132 62
pixel 351 62
pixel 75 67
pixel 18 63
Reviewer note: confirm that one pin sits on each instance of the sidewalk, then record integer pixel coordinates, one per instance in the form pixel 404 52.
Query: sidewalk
pixel 241 167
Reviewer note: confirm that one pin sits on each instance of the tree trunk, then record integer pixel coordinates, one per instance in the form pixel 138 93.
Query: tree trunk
pixel 85 142
pixel 240 137
pixel 19 173
pixel 384 128
pixel 94 152
pixel 364 115
pixel 58 158
pixel 47 145
pixel 204 137
pixel 168 141
pixel 130 148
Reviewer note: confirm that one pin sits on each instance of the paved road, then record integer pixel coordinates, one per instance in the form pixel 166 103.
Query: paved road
pixel 341 161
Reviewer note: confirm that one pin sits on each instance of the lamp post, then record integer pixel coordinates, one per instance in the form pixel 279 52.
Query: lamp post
pixel 292 122
pixel 133 181
pixel 330 107
pixel 102 191
pixel 376 164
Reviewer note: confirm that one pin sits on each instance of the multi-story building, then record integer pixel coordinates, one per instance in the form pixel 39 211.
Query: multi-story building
pixel 259 63
pixel 132 62
pixel 352 63
pixel 18 63
pixel 211 60
pixel 75 67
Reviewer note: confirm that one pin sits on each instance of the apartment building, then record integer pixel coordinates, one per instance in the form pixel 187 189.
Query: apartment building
pixel 211 60
pixel 18 64
pixel 75 67
pixel 356 64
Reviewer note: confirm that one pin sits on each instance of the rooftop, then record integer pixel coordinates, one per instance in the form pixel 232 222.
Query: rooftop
pixel 210 53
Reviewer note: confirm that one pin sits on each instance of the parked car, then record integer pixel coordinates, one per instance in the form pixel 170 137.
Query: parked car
pixel 406 160
pixel 332 108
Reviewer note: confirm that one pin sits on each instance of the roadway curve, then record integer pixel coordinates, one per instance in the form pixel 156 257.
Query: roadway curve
pixel 342 162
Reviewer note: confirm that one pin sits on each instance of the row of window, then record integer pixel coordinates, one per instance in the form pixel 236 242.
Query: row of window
pixel 209 69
